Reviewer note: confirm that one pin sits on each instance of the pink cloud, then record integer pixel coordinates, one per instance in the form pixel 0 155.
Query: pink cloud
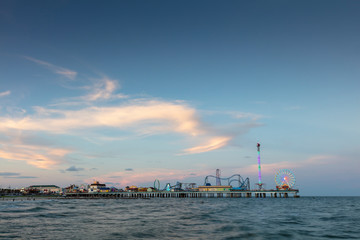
pixel 38 156
pixel 146 117
pixel 170 116
pixel 213 144
pixel 3 94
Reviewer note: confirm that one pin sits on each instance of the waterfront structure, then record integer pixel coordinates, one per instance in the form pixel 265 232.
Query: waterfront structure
pixel 182 194
pixel 214 188
pixel 47 189
pixel 242 184
pixel 132 188
pixel 72 188
pixel 96 186
pixel 284 180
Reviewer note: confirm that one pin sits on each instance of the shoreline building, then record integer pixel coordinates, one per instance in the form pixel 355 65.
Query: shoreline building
pixel 214 188
pixel 47 189
pixel 97 187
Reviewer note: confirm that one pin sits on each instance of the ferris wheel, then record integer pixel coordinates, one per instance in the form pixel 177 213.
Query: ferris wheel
pixel 284 179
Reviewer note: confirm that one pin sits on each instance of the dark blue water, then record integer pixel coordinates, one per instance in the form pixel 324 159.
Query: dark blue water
pixel 302 218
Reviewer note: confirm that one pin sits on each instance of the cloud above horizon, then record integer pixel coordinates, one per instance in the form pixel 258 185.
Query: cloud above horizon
pixel 22 177
pixel 6 93
pixel 38 156
pixel 74 169
pixel 14 175
pixel 6 174
pixel 56 69
pixel 212 144
pixel 92 111
pixel 103 89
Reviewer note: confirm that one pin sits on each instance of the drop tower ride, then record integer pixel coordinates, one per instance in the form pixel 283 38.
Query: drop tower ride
pixel 260 184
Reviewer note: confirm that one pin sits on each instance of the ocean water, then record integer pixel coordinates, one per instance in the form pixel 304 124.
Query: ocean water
pixel 241 218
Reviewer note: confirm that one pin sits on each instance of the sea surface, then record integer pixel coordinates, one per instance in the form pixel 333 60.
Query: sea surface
pixel 240 218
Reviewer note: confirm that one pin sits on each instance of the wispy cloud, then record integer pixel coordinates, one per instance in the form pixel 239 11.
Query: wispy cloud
pixel 39 156
pixel 236 114
pixel 129 169
pixel 74 169
pixel 14 175
pixel 103 89
pixel 212 144
pixel 56 69
pixel 246 115
pixel 22 177
pixel 7 174
pixel 6 93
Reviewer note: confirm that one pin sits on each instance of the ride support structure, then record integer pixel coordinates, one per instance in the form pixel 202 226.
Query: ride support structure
pixel 243 184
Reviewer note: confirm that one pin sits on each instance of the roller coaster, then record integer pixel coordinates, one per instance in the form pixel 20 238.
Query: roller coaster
pixel 179 186
pixel 242 184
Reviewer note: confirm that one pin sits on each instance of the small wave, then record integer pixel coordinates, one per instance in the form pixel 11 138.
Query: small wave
pixel 36 209
pixel 22 209
pixel 332 218
pixel 143 235
pixel 339 236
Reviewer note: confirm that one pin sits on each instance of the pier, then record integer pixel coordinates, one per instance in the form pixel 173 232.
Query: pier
pixel 211 194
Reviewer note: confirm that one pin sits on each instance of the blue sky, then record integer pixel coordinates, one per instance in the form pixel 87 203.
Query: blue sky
pixel 128 91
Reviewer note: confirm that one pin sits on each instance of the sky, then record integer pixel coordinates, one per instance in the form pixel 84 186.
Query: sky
pixel 126 92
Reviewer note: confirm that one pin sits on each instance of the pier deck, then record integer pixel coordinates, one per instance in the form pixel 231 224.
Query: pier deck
pixel 210 194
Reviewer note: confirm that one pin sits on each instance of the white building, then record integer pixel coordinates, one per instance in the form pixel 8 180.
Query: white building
pixel 96 186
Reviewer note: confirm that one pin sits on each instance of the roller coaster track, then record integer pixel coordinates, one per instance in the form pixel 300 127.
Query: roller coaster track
pixel 243 184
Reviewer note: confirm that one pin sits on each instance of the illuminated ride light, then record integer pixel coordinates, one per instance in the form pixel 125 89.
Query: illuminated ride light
pixel 284 179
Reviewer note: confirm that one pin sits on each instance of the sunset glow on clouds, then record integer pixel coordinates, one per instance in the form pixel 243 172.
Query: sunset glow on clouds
pixel 172 117
pixel 138 115
pixel 212 144
pixel 38 156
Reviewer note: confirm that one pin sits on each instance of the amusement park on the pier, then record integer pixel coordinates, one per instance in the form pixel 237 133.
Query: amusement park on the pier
pixel 216 185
